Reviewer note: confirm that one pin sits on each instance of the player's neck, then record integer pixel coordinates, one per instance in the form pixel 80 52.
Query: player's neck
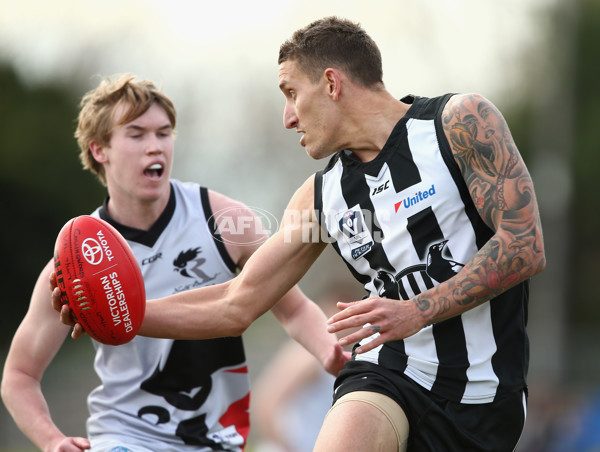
pixel 135 212
pixel 374 124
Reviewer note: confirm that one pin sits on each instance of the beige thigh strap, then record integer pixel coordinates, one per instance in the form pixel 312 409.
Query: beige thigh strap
pixel 387 406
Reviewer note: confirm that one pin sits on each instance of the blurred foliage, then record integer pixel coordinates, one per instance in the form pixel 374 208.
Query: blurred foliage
pixel 586 167
pixel 42 184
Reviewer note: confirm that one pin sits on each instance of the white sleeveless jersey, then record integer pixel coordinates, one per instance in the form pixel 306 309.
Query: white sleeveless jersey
pixel 171 395
pixel 423 230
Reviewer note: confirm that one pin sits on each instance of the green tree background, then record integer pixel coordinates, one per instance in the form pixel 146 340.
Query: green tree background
pixel 41 183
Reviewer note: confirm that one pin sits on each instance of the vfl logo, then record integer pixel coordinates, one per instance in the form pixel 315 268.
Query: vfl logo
pixel 352 226
pixel 92 251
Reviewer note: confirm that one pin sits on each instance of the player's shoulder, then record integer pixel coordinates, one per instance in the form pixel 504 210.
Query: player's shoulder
pixel 220 202
pixel 303 197
pixel 465 102
pixel 240 226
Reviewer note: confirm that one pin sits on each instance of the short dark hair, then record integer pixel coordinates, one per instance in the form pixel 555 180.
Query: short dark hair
pixel 335 42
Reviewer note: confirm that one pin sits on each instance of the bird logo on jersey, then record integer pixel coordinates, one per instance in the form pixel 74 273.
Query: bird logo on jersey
pixel 188 264
pixel 417 278
pixel 439 267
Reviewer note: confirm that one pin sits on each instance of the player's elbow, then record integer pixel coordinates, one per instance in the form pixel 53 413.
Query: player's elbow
pixel 540 264
pixel 239 322
pixel 6 387
pixel 538 254
pixel 3 391
pixel 243 306
pixel 237 330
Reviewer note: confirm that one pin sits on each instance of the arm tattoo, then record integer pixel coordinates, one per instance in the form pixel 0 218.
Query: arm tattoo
pixel 502 191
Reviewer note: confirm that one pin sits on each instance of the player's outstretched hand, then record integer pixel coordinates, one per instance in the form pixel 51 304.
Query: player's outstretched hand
pixel 71 444
pixel 63 309
pixel 385 319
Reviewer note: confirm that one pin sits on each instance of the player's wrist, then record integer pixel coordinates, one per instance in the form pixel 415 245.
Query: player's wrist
pixel 423 313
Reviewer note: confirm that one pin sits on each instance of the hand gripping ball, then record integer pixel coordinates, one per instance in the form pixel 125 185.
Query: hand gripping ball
pixel 100 279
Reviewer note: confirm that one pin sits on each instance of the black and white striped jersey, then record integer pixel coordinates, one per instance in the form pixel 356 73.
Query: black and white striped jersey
pixel 403 223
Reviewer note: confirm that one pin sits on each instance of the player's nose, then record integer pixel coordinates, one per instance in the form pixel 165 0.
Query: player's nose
pixel 290 119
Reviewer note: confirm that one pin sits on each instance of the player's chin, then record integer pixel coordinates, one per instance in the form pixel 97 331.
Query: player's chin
pixel 317 153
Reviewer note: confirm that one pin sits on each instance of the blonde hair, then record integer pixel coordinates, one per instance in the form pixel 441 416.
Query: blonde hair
pixel 96 120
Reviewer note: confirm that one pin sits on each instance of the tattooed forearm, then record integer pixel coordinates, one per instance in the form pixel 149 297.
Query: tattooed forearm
pixel 494 269
pixel 502 192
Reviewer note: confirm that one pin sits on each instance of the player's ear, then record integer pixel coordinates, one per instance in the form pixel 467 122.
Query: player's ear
pixel 98 152
pixel 333 81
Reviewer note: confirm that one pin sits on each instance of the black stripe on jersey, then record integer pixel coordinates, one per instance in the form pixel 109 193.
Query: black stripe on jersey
pixel 424 107
pixel 412 282
pixel 512 344
pixel 318 197
pixel 355 190
pixel 482 231
pixel 216 235
pixel 147 238
pixel 318 200
pixel 402 167
pixel 451 378
pixel 425 231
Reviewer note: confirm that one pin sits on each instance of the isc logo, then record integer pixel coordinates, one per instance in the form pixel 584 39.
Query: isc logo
pixel 381 188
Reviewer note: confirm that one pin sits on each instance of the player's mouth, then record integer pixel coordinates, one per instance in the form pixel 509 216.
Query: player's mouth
pixel 155 171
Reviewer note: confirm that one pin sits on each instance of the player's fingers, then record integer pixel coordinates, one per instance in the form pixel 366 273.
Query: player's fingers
pixel 359 335
pixel 77 331
pixel 370 345
pixel 82 443
pixel 355 321
pixel 56 299
pixel 65 315
pixel 348 310
pixel 52 280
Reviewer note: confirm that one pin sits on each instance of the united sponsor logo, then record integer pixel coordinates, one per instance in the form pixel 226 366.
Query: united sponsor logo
pixel 419 196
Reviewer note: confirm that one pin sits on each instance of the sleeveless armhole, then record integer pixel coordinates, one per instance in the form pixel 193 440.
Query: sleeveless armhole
pixel 210 221
pixel 318 189
pixel 318 201
pixel 483 232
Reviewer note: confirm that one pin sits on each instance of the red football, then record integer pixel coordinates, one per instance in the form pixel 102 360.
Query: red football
pixel 100 279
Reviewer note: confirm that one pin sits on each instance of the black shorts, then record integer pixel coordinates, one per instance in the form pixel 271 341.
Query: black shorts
pixel 437 424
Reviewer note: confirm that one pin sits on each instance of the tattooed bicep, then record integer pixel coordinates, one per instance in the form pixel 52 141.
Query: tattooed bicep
pixel 486 154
